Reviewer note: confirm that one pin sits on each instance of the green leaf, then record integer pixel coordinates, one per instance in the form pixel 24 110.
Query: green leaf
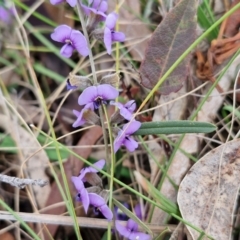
pixel 206 19
pixel 175 127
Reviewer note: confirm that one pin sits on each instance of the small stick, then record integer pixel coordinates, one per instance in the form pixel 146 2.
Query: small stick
pixel 22 182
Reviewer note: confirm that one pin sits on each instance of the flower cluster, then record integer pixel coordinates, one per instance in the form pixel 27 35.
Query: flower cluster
pixel 130 231
pixel 92 195
pixel 75 40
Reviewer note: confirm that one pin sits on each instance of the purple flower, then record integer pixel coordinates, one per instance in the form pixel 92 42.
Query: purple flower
pixel 138 212
pixel 72 3
pixel 83 195
pixel 80 115
pixel 72 40
pixel 5 14
pixel 99 164
pixel 109 34
pixel 97 95
pixel 97 7
pixel 130 231
pixel 99 203
pixel 127 109
pixel 123 137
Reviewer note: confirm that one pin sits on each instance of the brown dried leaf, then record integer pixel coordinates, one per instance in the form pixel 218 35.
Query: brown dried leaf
pixel 170 39
pixel 208 193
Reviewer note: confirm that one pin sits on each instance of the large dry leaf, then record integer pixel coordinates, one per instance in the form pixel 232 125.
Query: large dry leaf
pixel 208 193
pixel 170 39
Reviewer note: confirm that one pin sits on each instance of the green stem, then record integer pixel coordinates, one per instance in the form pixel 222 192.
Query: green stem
pixel 84 28
pixel 112 168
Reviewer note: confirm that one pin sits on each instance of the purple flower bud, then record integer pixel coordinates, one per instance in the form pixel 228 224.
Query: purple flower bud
pixel 99 164
pixel 127 109
pixel 109 34
pixel 130 231
pixel 97 95
pixel 99 203
pixel 72 40
pixel 124 136
pixel 72 3
pixel 82 195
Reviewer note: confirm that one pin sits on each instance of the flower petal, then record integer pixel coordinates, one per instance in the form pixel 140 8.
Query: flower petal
pixel 67 50
pixel 139 235
pixel 5 15
pixel 72 3
pixel 99 164
pixel 100 5
pixel 107 92
pixel 80 121
pixel 118 37
pixel 61 33
pixel 126 113
pixel 131 105
pixel 54 2
pixel 111 20
pixel 85 199
pixel 106 211
pixel 138 211
pixel 107 39
pixel 79 42
pixel 88 95
pixel 123 231
pixel 130 144
pixel 132 226
pixel 131 127
pixel 118 141
pixel 77 183
pixel 96 200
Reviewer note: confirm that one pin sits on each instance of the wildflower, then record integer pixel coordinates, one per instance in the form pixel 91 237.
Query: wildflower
pixel 130 231
pixel 97 7
pixel 82 195
pixel 100 204
pixel 99 164
pixel 97 95
pixel 81 116
pixel 109 34
pixel 124 136
pixel 72 40
pixel 72 3
pixel 126 109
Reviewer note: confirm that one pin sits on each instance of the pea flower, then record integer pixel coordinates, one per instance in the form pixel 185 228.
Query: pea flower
pixel 100 204
pixel 97 7
pixel 130 231
pixel 97 95
pixel 72 3
pixel 82 115
pixel 109 33
pixel 72 40
pixel 99 164
pixel 126 109
pixel 124 136
pixel 82 195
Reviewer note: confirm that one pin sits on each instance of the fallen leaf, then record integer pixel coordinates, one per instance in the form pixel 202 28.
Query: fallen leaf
pixel 208 193
pixel 170 39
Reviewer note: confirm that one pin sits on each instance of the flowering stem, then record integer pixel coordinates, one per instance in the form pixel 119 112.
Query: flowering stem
pixel 104 137
pixel 112 167
pixel 84 28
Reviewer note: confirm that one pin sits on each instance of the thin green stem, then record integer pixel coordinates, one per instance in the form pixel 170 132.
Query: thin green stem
pixel 84 28
pixel 112 167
